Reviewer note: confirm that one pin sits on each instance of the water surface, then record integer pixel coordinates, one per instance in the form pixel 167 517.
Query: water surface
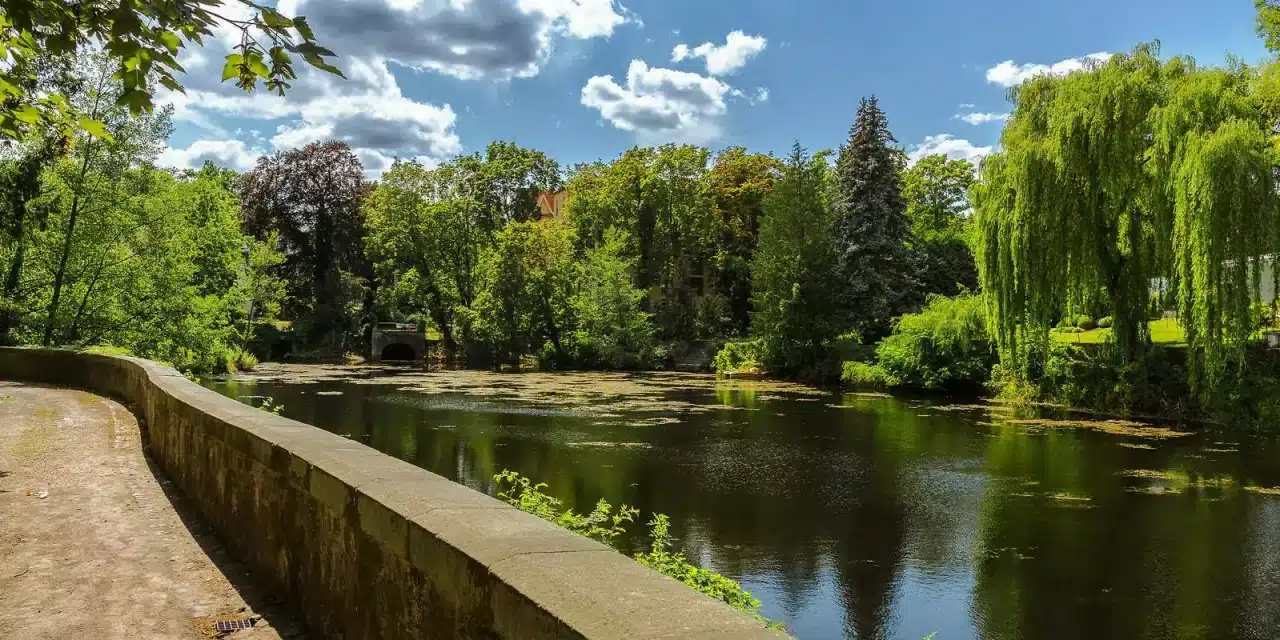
pixel 855 516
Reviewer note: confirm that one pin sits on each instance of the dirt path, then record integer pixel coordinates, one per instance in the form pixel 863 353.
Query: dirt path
pixel 94 543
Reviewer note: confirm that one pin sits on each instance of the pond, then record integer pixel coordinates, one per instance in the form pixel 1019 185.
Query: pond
pixel 855 516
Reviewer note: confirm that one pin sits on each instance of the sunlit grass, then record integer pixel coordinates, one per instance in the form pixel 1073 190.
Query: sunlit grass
pixel 1163 331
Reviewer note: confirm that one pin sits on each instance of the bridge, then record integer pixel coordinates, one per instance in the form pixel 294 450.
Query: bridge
pixel 114 543
pixel 399 341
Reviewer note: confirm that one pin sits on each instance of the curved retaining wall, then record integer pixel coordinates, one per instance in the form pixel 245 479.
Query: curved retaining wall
pixel 368 546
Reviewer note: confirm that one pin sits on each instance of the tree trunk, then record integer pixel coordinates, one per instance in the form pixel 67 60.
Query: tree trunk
pixel 52 318
pixel 58 277
pixel 12 279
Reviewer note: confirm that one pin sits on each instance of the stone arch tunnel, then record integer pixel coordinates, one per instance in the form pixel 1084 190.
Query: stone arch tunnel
pixel 398 342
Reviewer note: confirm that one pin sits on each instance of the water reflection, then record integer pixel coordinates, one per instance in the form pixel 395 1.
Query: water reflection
pixel 863 517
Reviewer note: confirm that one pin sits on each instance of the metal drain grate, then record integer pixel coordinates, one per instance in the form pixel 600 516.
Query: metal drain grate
pixel 228 626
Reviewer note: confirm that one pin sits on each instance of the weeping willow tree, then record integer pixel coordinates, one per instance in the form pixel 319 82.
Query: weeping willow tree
pixel 1127 173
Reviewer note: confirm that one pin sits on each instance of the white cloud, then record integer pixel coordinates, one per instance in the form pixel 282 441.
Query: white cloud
pixel 582 18
pixel 950 146
pixel 978 118
pixel 660 104
pixel 737 49
pixel 367 110
pixel 1009 74
pixel 230 154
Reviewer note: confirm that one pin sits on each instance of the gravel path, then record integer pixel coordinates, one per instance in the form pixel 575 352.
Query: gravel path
pixel 95 542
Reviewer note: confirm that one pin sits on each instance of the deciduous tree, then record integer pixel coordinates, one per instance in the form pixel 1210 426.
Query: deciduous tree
pixel 311 199
pixel 1119 174
pixel 936 191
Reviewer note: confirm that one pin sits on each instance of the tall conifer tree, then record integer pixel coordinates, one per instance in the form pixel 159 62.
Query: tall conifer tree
pixel 872 230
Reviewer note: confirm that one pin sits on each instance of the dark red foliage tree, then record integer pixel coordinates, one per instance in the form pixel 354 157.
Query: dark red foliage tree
pixel 311 197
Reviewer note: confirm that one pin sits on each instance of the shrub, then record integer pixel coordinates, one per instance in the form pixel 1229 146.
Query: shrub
pixel 944 347
pixel 601 524
pixel 675 565
pixel 605 525
pixel 743 356
pixel 1105 322
pixel 864 375
pixel 270 405
pixel 1085 323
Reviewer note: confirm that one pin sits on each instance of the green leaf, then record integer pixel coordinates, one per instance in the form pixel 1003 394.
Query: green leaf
pixel 257 66
pixel 311 48
pixel 300 25
pixel 274 19
pixel 95 128
pixel 232 68
pixel 170 41
pixel 27 113
pixel 169 82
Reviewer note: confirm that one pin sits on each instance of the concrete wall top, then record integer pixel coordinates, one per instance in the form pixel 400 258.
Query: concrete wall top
pixel 370 546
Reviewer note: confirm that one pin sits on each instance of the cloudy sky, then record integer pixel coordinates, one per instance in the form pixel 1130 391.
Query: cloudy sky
pixel 586 79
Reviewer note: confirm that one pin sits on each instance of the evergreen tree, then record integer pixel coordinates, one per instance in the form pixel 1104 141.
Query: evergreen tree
pixel 613 329
pixel 872 230
pixel 793 270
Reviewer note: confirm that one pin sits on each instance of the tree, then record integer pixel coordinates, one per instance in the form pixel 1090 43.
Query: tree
pixel 509 179
pixel 872 230
pixel 154 273
pixel 527 280
pixel 426 236
pixel 613 329
pixel 311 199
pixel 659 197
pixel 935 189
pixel 738 183
pixel 794 269
pixel 260 290
pixel 1268 23
pixel 142 42
pixel 95 178
pixel 23 209
pixel 1128 171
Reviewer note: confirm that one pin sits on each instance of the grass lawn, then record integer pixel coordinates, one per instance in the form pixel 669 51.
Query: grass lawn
pixel 1166 331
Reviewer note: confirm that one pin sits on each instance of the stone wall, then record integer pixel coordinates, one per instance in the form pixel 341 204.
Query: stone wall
pixel 368 546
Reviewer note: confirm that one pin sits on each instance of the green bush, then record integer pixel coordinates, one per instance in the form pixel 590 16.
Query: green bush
pixel 237 359
pixel 605 525
pixel 944 347
pixel 677 566
pixel 864 375
pixel 601 524
pixel 1085 323
pixel 741 356
pixel 1105 322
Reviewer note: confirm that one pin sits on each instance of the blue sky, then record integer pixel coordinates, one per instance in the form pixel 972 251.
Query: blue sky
pixel 587 79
